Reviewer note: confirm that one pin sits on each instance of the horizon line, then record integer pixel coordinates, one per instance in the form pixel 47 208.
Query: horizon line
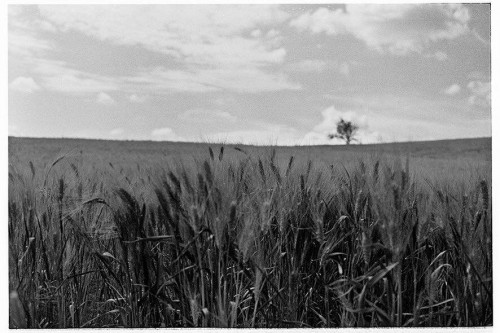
pixel 249 144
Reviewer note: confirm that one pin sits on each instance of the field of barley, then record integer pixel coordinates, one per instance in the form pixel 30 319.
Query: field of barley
pixel 152 234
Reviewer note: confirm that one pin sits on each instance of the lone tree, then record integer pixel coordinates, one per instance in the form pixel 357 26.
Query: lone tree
pixel 346 130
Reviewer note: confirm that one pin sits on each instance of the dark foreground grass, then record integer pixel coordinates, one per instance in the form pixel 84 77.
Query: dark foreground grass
pixel 248 242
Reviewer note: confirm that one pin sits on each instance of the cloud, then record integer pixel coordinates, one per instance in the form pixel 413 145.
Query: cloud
pixel 480 93
pixel 318 66
pixel 208 45
pixel 397 29
pixel 24 39
pixel 29 47
pixel 136 99
pixel 485 41
pixel 440 55
pixel 414 116
pixel 224 100
pixel 165 134
pixel 345 68
pixel 207 115
pixel 105 99
pixel 116 132
pixel 256 33
pixel 328 125
pixel 241 80
pixel 24 84
pixel 262 134
pixel 25 44
pixel 308 65
pixel 212 45
pixel 58 76
pixel 478 76
pixel 452 90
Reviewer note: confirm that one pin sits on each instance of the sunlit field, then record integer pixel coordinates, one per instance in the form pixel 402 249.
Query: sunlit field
pixel 151 234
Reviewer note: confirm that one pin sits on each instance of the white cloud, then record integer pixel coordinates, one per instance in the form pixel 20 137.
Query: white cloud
pixel 398 29
pixel 480 93
pixel 485 41
pixel 308 65
pixel 440 55
pixel 328 125
pixel 265 134
pixel 165 134
pixel 478 76
pixel 31 49
pixel 415 116
pixel 318 66
pixel 452 90
pixel 136 99
pixel 58 76
pixel 24 84
pixel 116 132
pixel 224 101
pixel 345 68
pixel 280 134
pixel 69 83
pixel 256 33
pixel 105 99
pixel 241 80
pixel 207 115
pixel 207 41
pixel 24 39
pixel 25 44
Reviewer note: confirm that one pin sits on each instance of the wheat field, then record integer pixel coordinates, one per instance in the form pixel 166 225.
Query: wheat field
pixel 213 235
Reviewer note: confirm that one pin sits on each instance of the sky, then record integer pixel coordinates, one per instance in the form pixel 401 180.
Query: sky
pixel 262 74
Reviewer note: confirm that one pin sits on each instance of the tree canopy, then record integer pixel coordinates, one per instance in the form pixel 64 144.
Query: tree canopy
pixel 346 130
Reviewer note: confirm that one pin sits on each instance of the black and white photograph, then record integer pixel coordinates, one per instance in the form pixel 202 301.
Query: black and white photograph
pixel 232 165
